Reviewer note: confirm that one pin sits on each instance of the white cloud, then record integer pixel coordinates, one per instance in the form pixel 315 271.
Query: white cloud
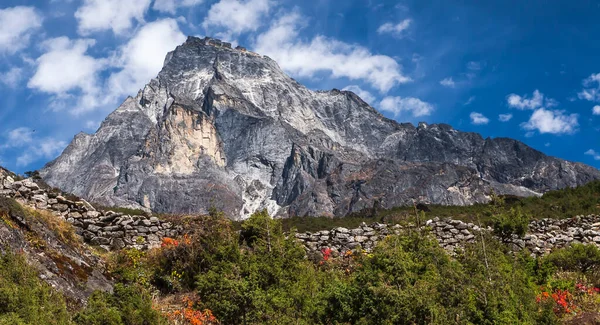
pixel 365 95
pixel 448 82
pixel 505 117
pixel 67 72
pixel 523 102
pixel 19 137
pixel 143 56
pixel 46 148
pixel 474 65
pixel 117 15
pixel 593 153
pixel 398 105
pixel 33 149
pixel 237 16
pixel 591 90
pixel 469 101
pixel 16 27
pixel 65 67
pixel 322 54
pixel 478 118
pixel 92 125
pixel 12 77
pixel 395 29
pixel 551 121
pixel 171 6
pixel 596 110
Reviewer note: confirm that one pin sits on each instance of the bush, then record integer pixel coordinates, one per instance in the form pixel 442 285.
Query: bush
pixel 266 281
pixel 579 258
pixel 512 223
pixel 24 298
pixel 129 304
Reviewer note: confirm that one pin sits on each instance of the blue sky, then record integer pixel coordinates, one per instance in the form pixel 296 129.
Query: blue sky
pixel 528 70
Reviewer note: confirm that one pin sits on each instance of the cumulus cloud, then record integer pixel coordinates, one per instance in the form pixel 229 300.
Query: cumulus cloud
pixel 596 110
pixel 448 82
pixel 66 67
pixel 397 105
pixel 478 118
pixel 505 117
pixel 237 16
pixel 143 56
pixel 322 54
pixel 552 121
pixel 16 26
pixel 593 153
pixel 365 95
pixel 12 77
pixel 525 102
pixel 395 29
pixel 72 76
pixel 591 90
pixel 115 15
pixel 171 6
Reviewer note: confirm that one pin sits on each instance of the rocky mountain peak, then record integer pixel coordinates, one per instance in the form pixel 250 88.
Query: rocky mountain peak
pixel 226 127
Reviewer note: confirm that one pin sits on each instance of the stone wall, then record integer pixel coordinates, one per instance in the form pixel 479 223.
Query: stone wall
pixel 544 235
pixel 107 229
pixel 112 230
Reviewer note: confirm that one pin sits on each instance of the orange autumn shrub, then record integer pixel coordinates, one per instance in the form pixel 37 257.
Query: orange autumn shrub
pixel 190 316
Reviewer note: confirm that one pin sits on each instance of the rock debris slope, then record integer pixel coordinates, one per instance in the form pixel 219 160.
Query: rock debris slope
pixel 228 128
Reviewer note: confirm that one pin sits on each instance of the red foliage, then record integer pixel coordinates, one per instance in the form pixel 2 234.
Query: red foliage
pixel 191 316
pixel 326 253
pixel 169 242
pixel 565 300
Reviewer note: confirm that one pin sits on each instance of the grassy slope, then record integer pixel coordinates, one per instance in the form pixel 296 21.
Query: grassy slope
pixel 560 204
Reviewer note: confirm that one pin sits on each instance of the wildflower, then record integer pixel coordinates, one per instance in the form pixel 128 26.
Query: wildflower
pixel 326 253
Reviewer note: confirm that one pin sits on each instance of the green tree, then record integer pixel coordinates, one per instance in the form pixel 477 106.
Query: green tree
pixel 515 222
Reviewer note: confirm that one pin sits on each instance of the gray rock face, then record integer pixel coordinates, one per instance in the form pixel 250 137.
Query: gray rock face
pixel 227 128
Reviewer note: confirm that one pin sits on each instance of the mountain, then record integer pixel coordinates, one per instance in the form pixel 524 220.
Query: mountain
pixel 228 128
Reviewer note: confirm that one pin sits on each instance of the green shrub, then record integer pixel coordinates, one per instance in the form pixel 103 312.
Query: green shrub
pixel 579 258
pixel 512 223
pixel 24 298
pixel 127 305
pixel 268 281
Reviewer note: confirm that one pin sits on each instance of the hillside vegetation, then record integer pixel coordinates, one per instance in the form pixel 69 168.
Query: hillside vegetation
pixel 252 272
pixel 560 204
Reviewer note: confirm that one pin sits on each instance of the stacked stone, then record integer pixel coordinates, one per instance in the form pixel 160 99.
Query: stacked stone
pixel 107 229
pixel 547 234
pixel 544 235
pixel 340 240
pixel 452 234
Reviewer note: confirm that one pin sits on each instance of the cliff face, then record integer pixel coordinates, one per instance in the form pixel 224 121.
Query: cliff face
pixel 227 128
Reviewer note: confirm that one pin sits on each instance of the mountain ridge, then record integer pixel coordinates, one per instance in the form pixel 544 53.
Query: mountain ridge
pixel 227 128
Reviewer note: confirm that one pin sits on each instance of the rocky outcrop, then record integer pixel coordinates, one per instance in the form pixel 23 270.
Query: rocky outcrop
pixel 544 235
pixel 226 128
pixel 106 229
pixel 63 262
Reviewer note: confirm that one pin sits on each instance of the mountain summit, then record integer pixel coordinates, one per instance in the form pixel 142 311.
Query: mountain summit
pixel 228 128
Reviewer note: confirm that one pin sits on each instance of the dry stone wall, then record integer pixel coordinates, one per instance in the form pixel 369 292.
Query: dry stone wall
pixel 544 235
pixel 112 230
pixel 107 229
